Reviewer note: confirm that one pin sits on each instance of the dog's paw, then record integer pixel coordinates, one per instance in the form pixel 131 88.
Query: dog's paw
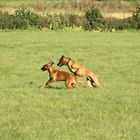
pixel 46 86
pixel 89 83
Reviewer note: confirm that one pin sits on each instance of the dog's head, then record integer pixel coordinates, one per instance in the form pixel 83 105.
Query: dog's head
pixel 63 61
pixel 47 66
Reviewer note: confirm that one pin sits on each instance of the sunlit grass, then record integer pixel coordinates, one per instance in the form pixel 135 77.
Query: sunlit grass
pixel 30 112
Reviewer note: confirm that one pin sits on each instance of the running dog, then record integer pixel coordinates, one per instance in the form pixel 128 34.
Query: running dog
pixel 56 75
pixel 79 70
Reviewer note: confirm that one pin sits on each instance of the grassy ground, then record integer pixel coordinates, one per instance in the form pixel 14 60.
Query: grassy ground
pixel 28 112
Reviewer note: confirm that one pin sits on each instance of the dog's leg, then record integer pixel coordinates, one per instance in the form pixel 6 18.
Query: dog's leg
pixel 74 84
pixel 95 81
pixel 89 82
pixel 68 83
pixel 49 82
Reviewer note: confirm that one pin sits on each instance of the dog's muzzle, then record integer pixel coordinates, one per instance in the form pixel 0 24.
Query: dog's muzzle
pixel 43 69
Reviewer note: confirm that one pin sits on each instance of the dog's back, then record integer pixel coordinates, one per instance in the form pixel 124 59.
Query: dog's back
pixel 63 76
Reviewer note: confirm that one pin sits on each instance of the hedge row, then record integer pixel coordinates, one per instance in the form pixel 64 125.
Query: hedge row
pixel 92 20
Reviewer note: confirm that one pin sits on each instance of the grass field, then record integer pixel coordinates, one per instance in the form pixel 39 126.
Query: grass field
pixel 28 112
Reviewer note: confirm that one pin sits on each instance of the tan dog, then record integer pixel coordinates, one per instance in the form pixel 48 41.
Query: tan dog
pixel 79 70
pixel 56 75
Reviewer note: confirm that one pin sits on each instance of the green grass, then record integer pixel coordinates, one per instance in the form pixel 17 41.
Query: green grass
pixel 28 112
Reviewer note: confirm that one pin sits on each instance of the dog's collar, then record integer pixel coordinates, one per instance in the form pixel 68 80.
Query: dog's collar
pixel 69 61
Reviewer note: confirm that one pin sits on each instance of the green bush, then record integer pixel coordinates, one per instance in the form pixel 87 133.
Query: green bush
pixel 6 21
pixel 94 18
pixel 24 18
pixel 136 18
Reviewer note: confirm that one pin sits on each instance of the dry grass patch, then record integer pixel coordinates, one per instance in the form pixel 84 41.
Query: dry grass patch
pixel 117 15
pixel 116 9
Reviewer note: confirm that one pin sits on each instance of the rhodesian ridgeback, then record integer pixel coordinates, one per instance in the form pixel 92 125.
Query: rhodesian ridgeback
pixel 56 75
pixel 79 70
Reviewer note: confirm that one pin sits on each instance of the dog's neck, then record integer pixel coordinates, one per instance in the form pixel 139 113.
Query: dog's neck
pixel 69 64
pixel 51 69
pixel 69 59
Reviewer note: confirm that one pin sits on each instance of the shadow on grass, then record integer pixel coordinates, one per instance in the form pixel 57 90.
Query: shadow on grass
pixel 51 87
pixel 59 88
pixel 63 88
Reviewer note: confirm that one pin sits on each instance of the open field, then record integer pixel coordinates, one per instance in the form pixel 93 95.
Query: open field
pixel 28 112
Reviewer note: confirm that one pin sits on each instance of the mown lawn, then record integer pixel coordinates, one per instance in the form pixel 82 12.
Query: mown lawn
pixel 30 112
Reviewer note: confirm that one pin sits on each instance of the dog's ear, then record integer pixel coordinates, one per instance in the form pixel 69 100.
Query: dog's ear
pixel 62 56
pixel 51 63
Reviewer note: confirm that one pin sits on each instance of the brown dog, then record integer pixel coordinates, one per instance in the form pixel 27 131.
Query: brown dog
pixel 56 75
pixel 79 70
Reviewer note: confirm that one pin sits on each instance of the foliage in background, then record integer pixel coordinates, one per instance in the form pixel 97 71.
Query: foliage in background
pixel 24 18
pixel 6 20
pixel 136 17
pixel 60 21
pixel 94 18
